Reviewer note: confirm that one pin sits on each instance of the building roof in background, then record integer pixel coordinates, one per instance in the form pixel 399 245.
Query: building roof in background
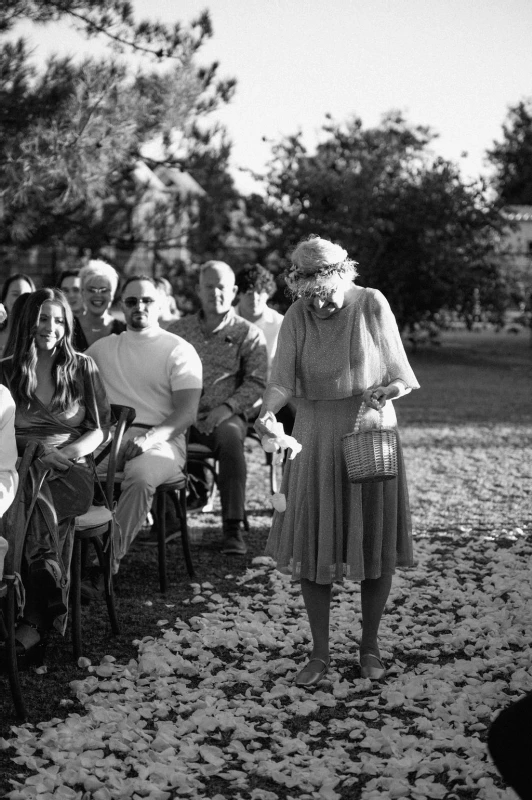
pixel 168 180
pixel 186 185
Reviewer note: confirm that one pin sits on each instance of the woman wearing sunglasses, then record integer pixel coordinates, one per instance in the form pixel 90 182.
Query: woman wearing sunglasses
pixel 99 282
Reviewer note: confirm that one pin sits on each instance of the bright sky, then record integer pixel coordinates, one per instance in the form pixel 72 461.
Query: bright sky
pixel 455 65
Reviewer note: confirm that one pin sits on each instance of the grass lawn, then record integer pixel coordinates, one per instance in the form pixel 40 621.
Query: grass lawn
pixel 467 437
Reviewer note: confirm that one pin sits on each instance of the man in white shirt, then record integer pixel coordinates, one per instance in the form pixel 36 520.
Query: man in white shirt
pixel 160 375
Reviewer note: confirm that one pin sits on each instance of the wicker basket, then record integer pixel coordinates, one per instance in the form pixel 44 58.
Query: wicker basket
pixel 370 455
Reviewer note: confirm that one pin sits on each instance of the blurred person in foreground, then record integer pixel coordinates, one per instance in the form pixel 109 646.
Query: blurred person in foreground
pixel 338 346
pixel 160 376
pixel 14 286
pixel 8 464
pixel 99 283
pixel 510 745
pixel 60 401
pixel 8 450
pixel 235 364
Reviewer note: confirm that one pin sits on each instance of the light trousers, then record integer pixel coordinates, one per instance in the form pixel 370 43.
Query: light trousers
pixel 162 463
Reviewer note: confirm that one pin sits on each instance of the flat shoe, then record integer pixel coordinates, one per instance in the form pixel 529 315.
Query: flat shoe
pixel 371 667
pixel 314 677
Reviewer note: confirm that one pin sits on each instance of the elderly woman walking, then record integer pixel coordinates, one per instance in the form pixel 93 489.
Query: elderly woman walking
pixel 339 346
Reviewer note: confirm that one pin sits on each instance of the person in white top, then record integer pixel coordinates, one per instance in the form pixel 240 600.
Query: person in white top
pixel 255 285
pixel 8 463
pixel 160 375
pixel 8 450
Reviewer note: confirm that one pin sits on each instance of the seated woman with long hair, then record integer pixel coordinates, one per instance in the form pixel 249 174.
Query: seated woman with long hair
pixel 60 401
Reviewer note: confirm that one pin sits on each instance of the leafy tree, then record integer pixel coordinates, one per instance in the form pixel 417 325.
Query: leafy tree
pixel 512 157
pixel 71 136
pixel 421 234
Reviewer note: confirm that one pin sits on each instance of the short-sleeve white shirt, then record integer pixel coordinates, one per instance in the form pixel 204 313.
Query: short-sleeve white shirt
pixel 142 368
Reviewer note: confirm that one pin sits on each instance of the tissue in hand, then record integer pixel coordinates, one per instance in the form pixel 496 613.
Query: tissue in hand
pixel 279 440
pixel 279 502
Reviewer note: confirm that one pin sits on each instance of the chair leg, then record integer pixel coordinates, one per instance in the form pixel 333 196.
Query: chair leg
pixel 11 653
pixel 180 503
pixel 160 521
pixel 105 566
pixel 209 485
pixel 75 595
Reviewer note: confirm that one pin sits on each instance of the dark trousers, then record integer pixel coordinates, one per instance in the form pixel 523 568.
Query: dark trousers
pixel 227 443
pixel 50 535
pixel 510 746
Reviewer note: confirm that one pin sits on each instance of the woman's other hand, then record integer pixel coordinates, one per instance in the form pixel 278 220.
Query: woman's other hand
pixel 376 397
pixel 55 459
pixel 265 424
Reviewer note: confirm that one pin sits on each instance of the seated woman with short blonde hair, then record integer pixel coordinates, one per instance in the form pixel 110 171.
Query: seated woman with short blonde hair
pixel 99 282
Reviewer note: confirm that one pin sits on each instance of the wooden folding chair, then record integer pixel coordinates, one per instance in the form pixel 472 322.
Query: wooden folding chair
pixel 176 491
pixel 96 527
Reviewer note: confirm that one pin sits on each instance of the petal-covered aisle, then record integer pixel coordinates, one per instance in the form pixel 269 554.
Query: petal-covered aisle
pixel 209 710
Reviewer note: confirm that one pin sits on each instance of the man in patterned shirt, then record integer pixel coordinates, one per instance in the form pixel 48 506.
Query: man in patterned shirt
pixel 235 365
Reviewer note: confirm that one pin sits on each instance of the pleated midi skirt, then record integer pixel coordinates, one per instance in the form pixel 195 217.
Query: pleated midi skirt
pixel 333 529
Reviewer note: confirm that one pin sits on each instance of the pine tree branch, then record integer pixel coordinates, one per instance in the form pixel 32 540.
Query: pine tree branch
pixel 94 27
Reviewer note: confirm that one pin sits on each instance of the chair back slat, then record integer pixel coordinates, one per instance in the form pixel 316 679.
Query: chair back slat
pixel 14 521
pixel 124 416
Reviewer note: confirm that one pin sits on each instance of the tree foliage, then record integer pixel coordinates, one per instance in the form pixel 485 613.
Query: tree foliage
pixel 71 135
pixel 512 157
pixel 420 234
pixel 114 20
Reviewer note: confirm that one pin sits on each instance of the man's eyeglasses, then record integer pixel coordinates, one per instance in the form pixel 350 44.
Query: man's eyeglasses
pixel 97 290
pixel 131 302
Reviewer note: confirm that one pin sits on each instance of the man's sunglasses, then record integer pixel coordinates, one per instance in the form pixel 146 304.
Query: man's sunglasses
pixel 131 302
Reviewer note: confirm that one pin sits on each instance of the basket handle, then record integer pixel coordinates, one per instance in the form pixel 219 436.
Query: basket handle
pixel 361 410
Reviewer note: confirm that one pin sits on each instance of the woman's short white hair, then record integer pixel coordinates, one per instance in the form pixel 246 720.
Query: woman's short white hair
pixel 316 264
pixel 96 268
